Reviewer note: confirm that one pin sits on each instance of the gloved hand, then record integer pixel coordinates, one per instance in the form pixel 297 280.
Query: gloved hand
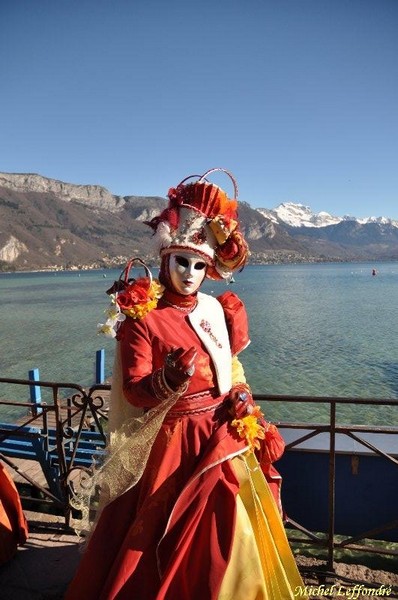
pixel 179 366
pixel 242 403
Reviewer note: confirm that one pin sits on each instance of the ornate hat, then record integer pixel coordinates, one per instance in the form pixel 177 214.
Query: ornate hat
pixel 200 218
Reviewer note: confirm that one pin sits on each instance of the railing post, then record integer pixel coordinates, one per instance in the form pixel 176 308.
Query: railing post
pixel 100 366
pixel 35 392
pixel 332 485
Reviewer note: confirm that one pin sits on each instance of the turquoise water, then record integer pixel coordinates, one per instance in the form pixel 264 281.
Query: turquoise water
pixel 323 330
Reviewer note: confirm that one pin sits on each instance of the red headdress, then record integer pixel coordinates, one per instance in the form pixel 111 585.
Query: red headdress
pixel 202 219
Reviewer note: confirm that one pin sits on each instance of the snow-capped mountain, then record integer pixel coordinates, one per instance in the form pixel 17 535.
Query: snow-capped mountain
pixel 379 220
pixel 298 215
pixel 46 223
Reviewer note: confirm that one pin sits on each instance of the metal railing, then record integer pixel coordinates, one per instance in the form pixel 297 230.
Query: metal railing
pixel 62 434
pixel 65 423
pixel 331 542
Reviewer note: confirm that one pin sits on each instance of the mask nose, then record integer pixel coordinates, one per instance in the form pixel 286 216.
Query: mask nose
pixel 190 270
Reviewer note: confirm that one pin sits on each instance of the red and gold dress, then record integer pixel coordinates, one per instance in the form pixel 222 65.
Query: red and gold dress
pixel 201 522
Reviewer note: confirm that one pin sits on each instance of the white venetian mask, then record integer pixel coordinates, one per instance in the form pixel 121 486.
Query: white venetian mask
pixel 187 272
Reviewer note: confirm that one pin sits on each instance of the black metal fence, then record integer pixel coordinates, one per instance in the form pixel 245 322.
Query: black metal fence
pixel 64 433
pixel 368 541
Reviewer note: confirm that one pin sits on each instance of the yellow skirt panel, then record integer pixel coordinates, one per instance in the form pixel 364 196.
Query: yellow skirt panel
pixel 262 566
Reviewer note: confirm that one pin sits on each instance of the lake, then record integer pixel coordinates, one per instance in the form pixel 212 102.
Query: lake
pixel 316 329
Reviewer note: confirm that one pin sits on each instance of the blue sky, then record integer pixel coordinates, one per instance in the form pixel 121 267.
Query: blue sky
pixel 298 98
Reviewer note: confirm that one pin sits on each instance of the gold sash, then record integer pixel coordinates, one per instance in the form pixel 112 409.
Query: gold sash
pixel 262 566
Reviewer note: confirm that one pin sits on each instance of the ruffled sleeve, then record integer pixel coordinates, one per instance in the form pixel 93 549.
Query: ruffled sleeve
pixel 237 321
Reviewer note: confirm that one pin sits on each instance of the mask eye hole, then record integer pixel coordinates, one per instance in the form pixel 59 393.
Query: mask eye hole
pixel 183 262
pixel 200 266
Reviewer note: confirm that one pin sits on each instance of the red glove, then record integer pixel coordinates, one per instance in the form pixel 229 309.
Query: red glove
pixel 179 366
pixel 242 401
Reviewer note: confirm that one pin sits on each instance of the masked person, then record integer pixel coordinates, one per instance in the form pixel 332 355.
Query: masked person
pixel 187 508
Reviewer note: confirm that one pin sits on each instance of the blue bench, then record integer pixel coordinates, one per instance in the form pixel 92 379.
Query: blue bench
pixel 32 443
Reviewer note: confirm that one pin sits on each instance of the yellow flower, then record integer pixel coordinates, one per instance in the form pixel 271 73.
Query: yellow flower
pixel 157 289
pixel 250 429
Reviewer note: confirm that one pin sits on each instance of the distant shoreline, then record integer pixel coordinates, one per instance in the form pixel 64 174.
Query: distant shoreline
pixel 251 264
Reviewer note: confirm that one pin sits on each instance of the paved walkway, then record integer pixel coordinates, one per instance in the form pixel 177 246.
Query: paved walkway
pixel 42 569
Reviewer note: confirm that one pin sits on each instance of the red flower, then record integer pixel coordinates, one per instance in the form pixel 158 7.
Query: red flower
pixel 135 293
pixel 228 250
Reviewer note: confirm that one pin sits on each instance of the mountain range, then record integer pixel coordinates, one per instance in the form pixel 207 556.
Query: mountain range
pixel 50 224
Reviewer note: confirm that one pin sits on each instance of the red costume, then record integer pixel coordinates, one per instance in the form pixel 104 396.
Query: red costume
pixel 198 520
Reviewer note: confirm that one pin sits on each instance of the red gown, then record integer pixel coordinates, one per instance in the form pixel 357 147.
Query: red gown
pixel 181 531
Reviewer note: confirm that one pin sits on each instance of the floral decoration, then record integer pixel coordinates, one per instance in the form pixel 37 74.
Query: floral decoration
pixel 198 237
pixel 234 252
pixel 114 318
pixel 250 428
pixel 205 325
pixel 135 300
pixel 139 297
pixel 222 227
